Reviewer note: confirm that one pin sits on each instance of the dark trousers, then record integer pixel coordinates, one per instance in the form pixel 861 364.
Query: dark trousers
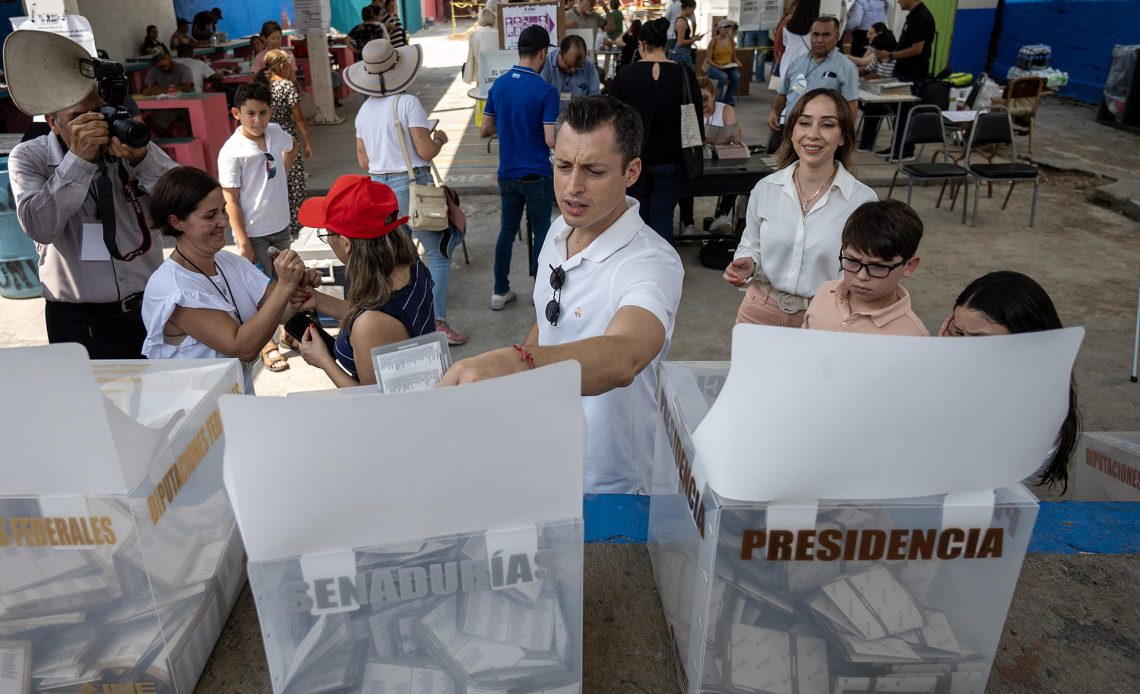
pixel 104 329
pixel 872 118
pixel 657 190
pixel 858 42
pixel 536 194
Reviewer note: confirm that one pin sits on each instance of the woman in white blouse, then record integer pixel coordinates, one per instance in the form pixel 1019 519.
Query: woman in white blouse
pixel 796 215
pixel 204 302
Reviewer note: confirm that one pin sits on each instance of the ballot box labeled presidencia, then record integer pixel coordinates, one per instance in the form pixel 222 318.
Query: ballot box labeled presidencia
pixel 420 543
pixel 119 555
pixel 840 514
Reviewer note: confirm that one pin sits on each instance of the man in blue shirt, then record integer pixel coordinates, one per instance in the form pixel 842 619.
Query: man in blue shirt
pixel 527 108
pixel 822 68
pixel 568 70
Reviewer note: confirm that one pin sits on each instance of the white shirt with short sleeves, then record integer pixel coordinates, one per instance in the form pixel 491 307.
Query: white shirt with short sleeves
pixel 236 290
pixel 793 252
pixel 199 70
pixel 628 265
pixel 374 125
pixel 242 164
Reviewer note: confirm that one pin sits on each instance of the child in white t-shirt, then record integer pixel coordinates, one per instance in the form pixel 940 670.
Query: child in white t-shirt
pixel 253 166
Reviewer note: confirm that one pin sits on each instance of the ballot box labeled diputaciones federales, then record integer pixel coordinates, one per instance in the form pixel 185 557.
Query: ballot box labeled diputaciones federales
pixel 771 583
pixel 426 545
pixel 1108 467
pixel 119 555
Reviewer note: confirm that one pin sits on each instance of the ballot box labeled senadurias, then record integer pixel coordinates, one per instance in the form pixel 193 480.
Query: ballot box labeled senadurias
pixel 119 555
pixel 799 543
pixel 423 544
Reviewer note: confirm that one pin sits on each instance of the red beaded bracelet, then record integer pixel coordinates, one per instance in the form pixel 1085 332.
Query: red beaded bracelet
pixel 526 356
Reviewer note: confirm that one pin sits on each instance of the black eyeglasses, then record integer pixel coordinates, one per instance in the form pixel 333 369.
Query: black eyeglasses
pixel 324 234
pixel 553 307
pixel 270 165
pixel 876 270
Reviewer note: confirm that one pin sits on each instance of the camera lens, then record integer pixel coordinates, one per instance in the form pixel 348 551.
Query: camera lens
pixel 131 132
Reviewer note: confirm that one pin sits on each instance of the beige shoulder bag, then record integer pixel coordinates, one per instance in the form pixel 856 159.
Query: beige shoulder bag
pixel 427 203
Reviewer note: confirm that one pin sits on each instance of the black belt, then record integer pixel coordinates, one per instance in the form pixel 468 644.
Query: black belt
pixel 128 305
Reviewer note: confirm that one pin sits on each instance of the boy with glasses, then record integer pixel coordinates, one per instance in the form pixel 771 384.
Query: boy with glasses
pixel 253 168
pixel 878 249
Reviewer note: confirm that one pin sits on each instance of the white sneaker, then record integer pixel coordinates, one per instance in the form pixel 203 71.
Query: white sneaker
pixel 721 225
pixel 687 230
pixel 499 301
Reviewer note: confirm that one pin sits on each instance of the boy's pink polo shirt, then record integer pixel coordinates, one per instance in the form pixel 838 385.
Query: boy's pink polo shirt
pixel 831 310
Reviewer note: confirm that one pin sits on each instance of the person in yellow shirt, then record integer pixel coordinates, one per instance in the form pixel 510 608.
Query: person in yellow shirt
pixel 720 61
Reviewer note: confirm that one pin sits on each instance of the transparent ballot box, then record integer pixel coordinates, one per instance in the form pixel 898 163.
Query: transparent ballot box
pixel 808 594
pixel 1108 466
pixel 407 561
pixel 119 555
pixel 438 615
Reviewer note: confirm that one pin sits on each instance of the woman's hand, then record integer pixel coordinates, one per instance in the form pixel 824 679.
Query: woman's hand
pixel 308 150
pixel 290 269
pixel 303 299
pixel 944 330
pixel 313 349
pixel 739 271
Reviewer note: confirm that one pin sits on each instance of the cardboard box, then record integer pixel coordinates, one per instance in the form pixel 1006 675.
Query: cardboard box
pixel 424 541
pixel 800 593
pixel 119 555
pixel 1108 467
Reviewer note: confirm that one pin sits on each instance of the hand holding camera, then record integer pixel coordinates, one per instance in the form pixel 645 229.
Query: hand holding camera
pixel 89 136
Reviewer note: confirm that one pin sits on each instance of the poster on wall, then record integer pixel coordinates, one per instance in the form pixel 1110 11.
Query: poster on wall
pixel 768 13
pixel 312 15
pixel 73 26
pixel 515 17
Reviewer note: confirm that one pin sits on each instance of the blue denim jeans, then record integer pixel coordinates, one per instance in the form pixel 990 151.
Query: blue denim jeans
pixel 758 40
pixel 537 195
pixel 684 55
pixel 657 190
pixel 729 77
pixel 439 266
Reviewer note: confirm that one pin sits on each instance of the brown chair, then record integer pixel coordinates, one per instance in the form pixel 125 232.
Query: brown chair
pixel 1022 97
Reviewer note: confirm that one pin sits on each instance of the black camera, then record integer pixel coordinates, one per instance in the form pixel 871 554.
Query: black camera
pixel 111 79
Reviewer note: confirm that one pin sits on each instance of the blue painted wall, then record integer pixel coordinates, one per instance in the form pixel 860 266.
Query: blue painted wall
pixel 7 11
pixel 971 40
pixel 1081 32
pixel 241 17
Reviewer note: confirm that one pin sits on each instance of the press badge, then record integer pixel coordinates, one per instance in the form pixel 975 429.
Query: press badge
pixel 93 246
pixel 800 85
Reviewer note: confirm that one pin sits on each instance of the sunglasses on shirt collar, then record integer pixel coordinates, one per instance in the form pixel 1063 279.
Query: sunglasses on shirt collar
pixel 554 306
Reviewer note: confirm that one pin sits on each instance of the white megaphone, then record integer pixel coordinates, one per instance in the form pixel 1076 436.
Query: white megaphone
pixel 46 72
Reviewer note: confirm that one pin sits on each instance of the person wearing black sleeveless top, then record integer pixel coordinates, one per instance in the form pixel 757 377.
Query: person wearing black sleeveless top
pixel 389 298
pixel 653 87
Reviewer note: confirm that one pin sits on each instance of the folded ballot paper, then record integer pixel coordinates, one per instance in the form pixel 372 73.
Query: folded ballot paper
pixel 119 556
pixel 400 560
pixel 871 557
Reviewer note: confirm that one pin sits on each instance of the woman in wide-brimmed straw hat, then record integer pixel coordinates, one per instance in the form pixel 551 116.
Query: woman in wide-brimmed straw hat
pixel 384 75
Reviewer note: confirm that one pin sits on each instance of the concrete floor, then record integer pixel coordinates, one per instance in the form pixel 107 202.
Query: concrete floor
pixel 1073 626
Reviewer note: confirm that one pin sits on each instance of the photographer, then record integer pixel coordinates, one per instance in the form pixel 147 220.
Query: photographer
pixel 69 199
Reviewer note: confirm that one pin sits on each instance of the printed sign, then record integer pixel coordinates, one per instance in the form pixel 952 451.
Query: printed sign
pixel 312 14
pixel 515 17
pixel 73 26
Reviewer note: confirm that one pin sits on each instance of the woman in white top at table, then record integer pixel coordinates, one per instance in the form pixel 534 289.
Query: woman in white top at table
pixel 721 127
pixel 795 217
pixel 204 302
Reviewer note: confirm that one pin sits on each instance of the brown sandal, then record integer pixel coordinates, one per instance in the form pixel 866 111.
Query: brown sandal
pixel 271 357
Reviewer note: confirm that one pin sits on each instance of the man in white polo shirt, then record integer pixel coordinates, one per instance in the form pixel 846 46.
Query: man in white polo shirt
pixel 607 294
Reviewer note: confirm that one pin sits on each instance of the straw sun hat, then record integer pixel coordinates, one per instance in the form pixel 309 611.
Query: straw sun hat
pixel 384 70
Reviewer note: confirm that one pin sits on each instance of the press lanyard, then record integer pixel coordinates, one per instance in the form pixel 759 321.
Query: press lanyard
pixel 105 206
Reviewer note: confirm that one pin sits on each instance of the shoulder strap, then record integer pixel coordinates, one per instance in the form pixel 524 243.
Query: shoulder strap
pixel 400 137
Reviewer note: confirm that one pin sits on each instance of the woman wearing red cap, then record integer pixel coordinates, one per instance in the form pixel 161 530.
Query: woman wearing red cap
pixel 389 297
pixel 204 302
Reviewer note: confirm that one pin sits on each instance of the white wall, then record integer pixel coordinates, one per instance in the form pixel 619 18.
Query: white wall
pixel 120 25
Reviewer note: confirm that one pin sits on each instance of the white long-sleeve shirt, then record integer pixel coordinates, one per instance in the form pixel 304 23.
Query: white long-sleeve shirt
pixel 793 252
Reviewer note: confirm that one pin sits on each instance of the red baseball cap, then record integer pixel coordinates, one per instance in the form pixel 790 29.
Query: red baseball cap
pixel 356 207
